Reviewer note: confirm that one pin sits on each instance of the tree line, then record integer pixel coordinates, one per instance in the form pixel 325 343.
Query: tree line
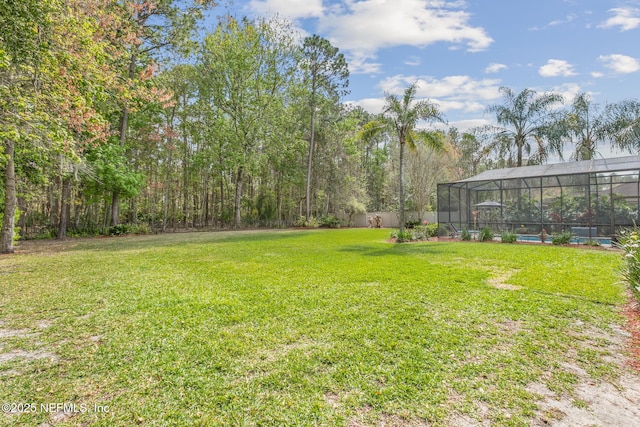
pixel 124 116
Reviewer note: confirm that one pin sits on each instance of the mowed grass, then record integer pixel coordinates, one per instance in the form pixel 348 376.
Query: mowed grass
pixel 299 328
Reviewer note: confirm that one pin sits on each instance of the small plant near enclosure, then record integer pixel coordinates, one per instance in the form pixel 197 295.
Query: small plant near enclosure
pixel 563 238
pixel 402 236
pixel 485 235
pixel 418 233
pixel 592 243
pixel 465 235
pixel 431 229
pixel 629 242
pixel 508 237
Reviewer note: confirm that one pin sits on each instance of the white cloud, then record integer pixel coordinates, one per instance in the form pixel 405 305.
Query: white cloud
pixel 555 68
pixel 359 63
pixel 414 61
pixel 494 68
pixel 621 64
pixel 597 74
pixel 370 25
pixel 469 124
pixel 451 93
pixel 466 106
pixel 292 9
pixel 568 19
pixel 569 91
pixel 361 28
pixel 371 105
pixel 627 18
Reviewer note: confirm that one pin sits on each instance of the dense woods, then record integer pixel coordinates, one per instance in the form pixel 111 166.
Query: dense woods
pixel 125 116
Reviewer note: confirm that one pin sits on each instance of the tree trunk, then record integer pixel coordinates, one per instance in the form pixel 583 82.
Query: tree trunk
pixel 401 207
pixel 167 194
pixel 195 215
pixel 520 146
pixel 115 197
pixel 22 221
pixel 238 199
pixel 185 182
pixel 64 208
pixel 6 239
pixel 206 199
pixel 222 198
pixel 310 162
pixel 115 208
pixel 54 203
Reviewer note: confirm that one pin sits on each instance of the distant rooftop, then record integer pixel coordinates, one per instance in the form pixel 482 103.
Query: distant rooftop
pixel 616 164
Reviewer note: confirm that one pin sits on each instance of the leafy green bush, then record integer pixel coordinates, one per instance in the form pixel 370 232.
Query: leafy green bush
pixel 629 242
pixel 122 229
pixel 302 222
pixel 140 228
pixel 412 223
pixel 47 233
pixel 329 221
pixel 465 235
pixel 485 235
pixel 592 243
pixel 432 229
pixel 402 236
pixel 563 238
pixel 411 235
pixel 420 232
pixel 118 230
pixel 508 237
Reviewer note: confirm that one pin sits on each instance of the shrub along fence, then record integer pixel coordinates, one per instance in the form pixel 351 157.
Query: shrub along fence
pixel 389 219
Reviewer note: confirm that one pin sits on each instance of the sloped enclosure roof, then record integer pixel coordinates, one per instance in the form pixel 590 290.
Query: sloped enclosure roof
pixel 566 168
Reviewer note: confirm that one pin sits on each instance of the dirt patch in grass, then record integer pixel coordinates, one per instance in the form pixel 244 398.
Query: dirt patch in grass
pixel 9 355
pixel 632 313
pixel 502 282
pixel 29 355
pixel 365 419
pixel 601 403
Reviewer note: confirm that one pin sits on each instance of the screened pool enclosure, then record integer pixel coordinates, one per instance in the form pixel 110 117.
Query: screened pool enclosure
pixel 592 198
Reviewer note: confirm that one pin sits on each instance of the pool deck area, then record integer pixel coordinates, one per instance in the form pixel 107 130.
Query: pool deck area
pixel 604 241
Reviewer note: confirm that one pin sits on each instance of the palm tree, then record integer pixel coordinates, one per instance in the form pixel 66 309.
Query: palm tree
pixel 585 126
pixel 625 123
pixel 400 117
pixel 526 118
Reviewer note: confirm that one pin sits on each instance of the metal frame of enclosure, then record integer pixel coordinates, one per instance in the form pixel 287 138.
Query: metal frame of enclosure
pixel 591 198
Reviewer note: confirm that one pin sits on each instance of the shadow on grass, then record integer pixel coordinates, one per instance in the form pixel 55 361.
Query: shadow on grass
pixel 400 249
pixel 173 240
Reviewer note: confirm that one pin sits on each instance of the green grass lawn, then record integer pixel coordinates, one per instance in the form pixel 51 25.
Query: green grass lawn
pixel 299 328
